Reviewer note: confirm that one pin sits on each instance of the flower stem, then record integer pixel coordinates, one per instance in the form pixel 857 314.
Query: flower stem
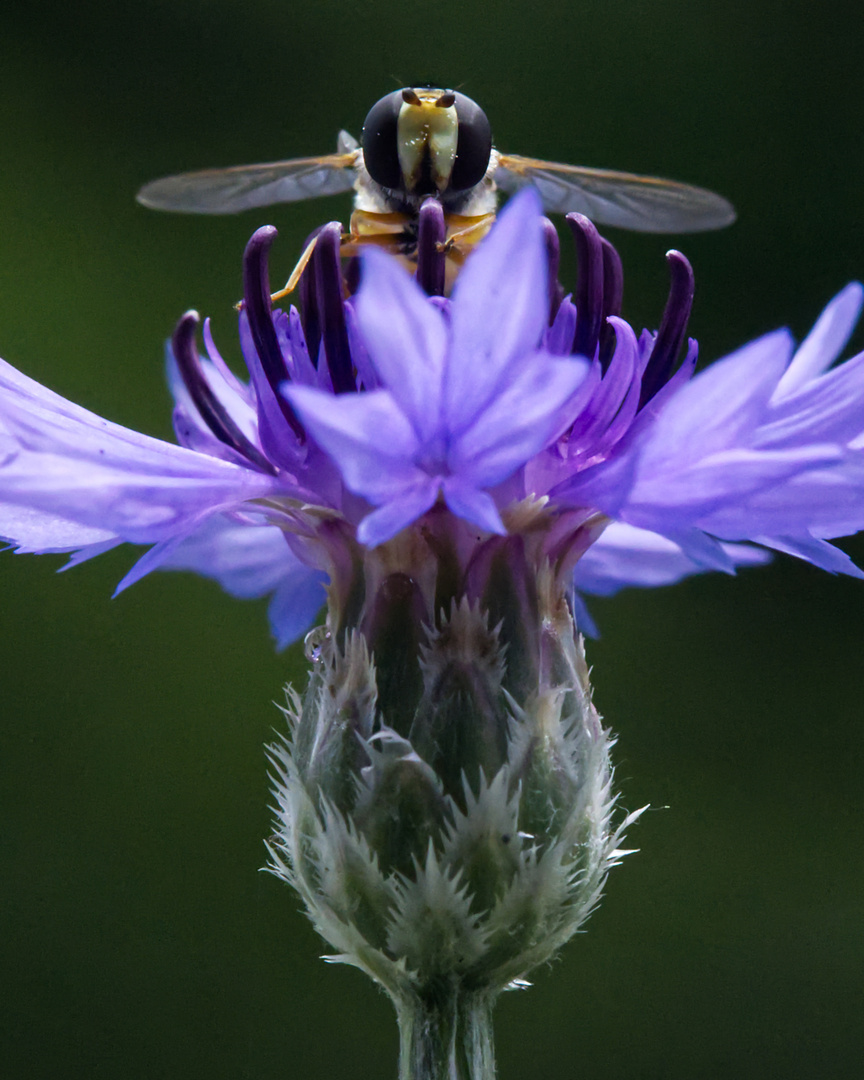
pixel 446 1035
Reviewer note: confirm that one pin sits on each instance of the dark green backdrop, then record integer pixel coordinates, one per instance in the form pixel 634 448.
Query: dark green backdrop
pixel 138 938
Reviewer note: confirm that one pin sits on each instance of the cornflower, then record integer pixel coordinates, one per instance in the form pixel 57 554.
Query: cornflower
pixel 453 475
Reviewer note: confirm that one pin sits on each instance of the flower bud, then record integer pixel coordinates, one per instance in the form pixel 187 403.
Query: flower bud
pixel 444 797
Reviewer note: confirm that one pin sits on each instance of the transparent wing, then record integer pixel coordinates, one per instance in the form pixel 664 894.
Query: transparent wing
pixel 228 191
pixel 641 203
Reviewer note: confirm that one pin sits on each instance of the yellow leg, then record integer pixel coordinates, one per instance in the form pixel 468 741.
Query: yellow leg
pixel 365 228
pixel 465 237
pixel 291 284
pixel 388 231
pixel 296 273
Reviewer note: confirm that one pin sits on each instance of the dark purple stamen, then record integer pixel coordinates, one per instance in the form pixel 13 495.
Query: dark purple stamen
pixel 553 257
pixel 431 259
pixel 327 268
pixel 309 314
pixel 256 294
pixel 212 411
pixel 589 285
pixel 673 327
pixel 613 295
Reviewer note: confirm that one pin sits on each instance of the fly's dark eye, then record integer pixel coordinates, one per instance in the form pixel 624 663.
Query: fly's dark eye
pixel 474 145
pixel 380 143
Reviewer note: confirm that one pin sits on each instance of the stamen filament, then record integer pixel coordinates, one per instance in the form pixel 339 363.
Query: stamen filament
pixel 330 293
pixel 212 411
pixel 673 327
pixel 589 285
pixel 431 257
pixel 256 293
pixel 553 255
pixel 613 296
pixel 309 315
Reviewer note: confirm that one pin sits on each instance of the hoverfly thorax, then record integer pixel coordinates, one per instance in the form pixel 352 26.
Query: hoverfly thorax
pixel 427 142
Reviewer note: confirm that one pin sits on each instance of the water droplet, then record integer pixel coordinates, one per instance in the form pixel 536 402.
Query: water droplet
pixel 314 642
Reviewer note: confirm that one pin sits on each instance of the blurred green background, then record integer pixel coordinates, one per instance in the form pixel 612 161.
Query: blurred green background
pixel 138 938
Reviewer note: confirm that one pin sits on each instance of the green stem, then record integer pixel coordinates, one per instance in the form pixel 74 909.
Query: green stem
pixel 446 1035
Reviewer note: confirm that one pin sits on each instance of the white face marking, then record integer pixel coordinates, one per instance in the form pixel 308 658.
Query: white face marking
pixel 422 129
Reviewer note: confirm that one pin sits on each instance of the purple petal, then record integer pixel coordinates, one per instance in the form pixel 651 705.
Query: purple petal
pixel 251 561
pixel 289 333
pixel 626 556
pixel 366 435
pixel 132 503
pixel 39 532
pixel 618 386
pixel 708 483
pixel 295 604
pixel 705 551
pixel 367 377
pixel 230 394
pixel 278 439
pixel 725 400
pixel 227 375
pixel 406 337
pixel 824 502
pixel 90 552
pixel 499 310
pixel 382 525
pixel 247 560
pixel 582 616
pixel 149 561
pixel 524 417
pixel 71 466
pixel 473 505
pixel 825 341
pixel 821 554
pixel 606 486
pixel 559 336
pixel 829 408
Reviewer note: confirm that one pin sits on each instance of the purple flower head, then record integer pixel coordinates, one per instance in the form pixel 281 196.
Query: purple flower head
pixel 469 394
pixel 506 421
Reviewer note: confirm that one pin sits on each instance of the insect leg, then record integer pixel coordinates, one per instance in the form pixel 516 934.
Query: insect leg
pixel 468 232
pixel 365 228
pixel 296 273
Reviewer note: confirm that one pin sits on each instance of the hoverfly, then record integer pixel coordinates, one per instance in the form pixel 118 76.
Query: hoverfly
pixel 419 143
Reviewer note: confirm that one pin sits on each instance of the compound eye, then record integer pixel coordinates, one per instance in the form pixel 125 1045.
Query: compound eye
pixel 474 145
pixel 380 142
